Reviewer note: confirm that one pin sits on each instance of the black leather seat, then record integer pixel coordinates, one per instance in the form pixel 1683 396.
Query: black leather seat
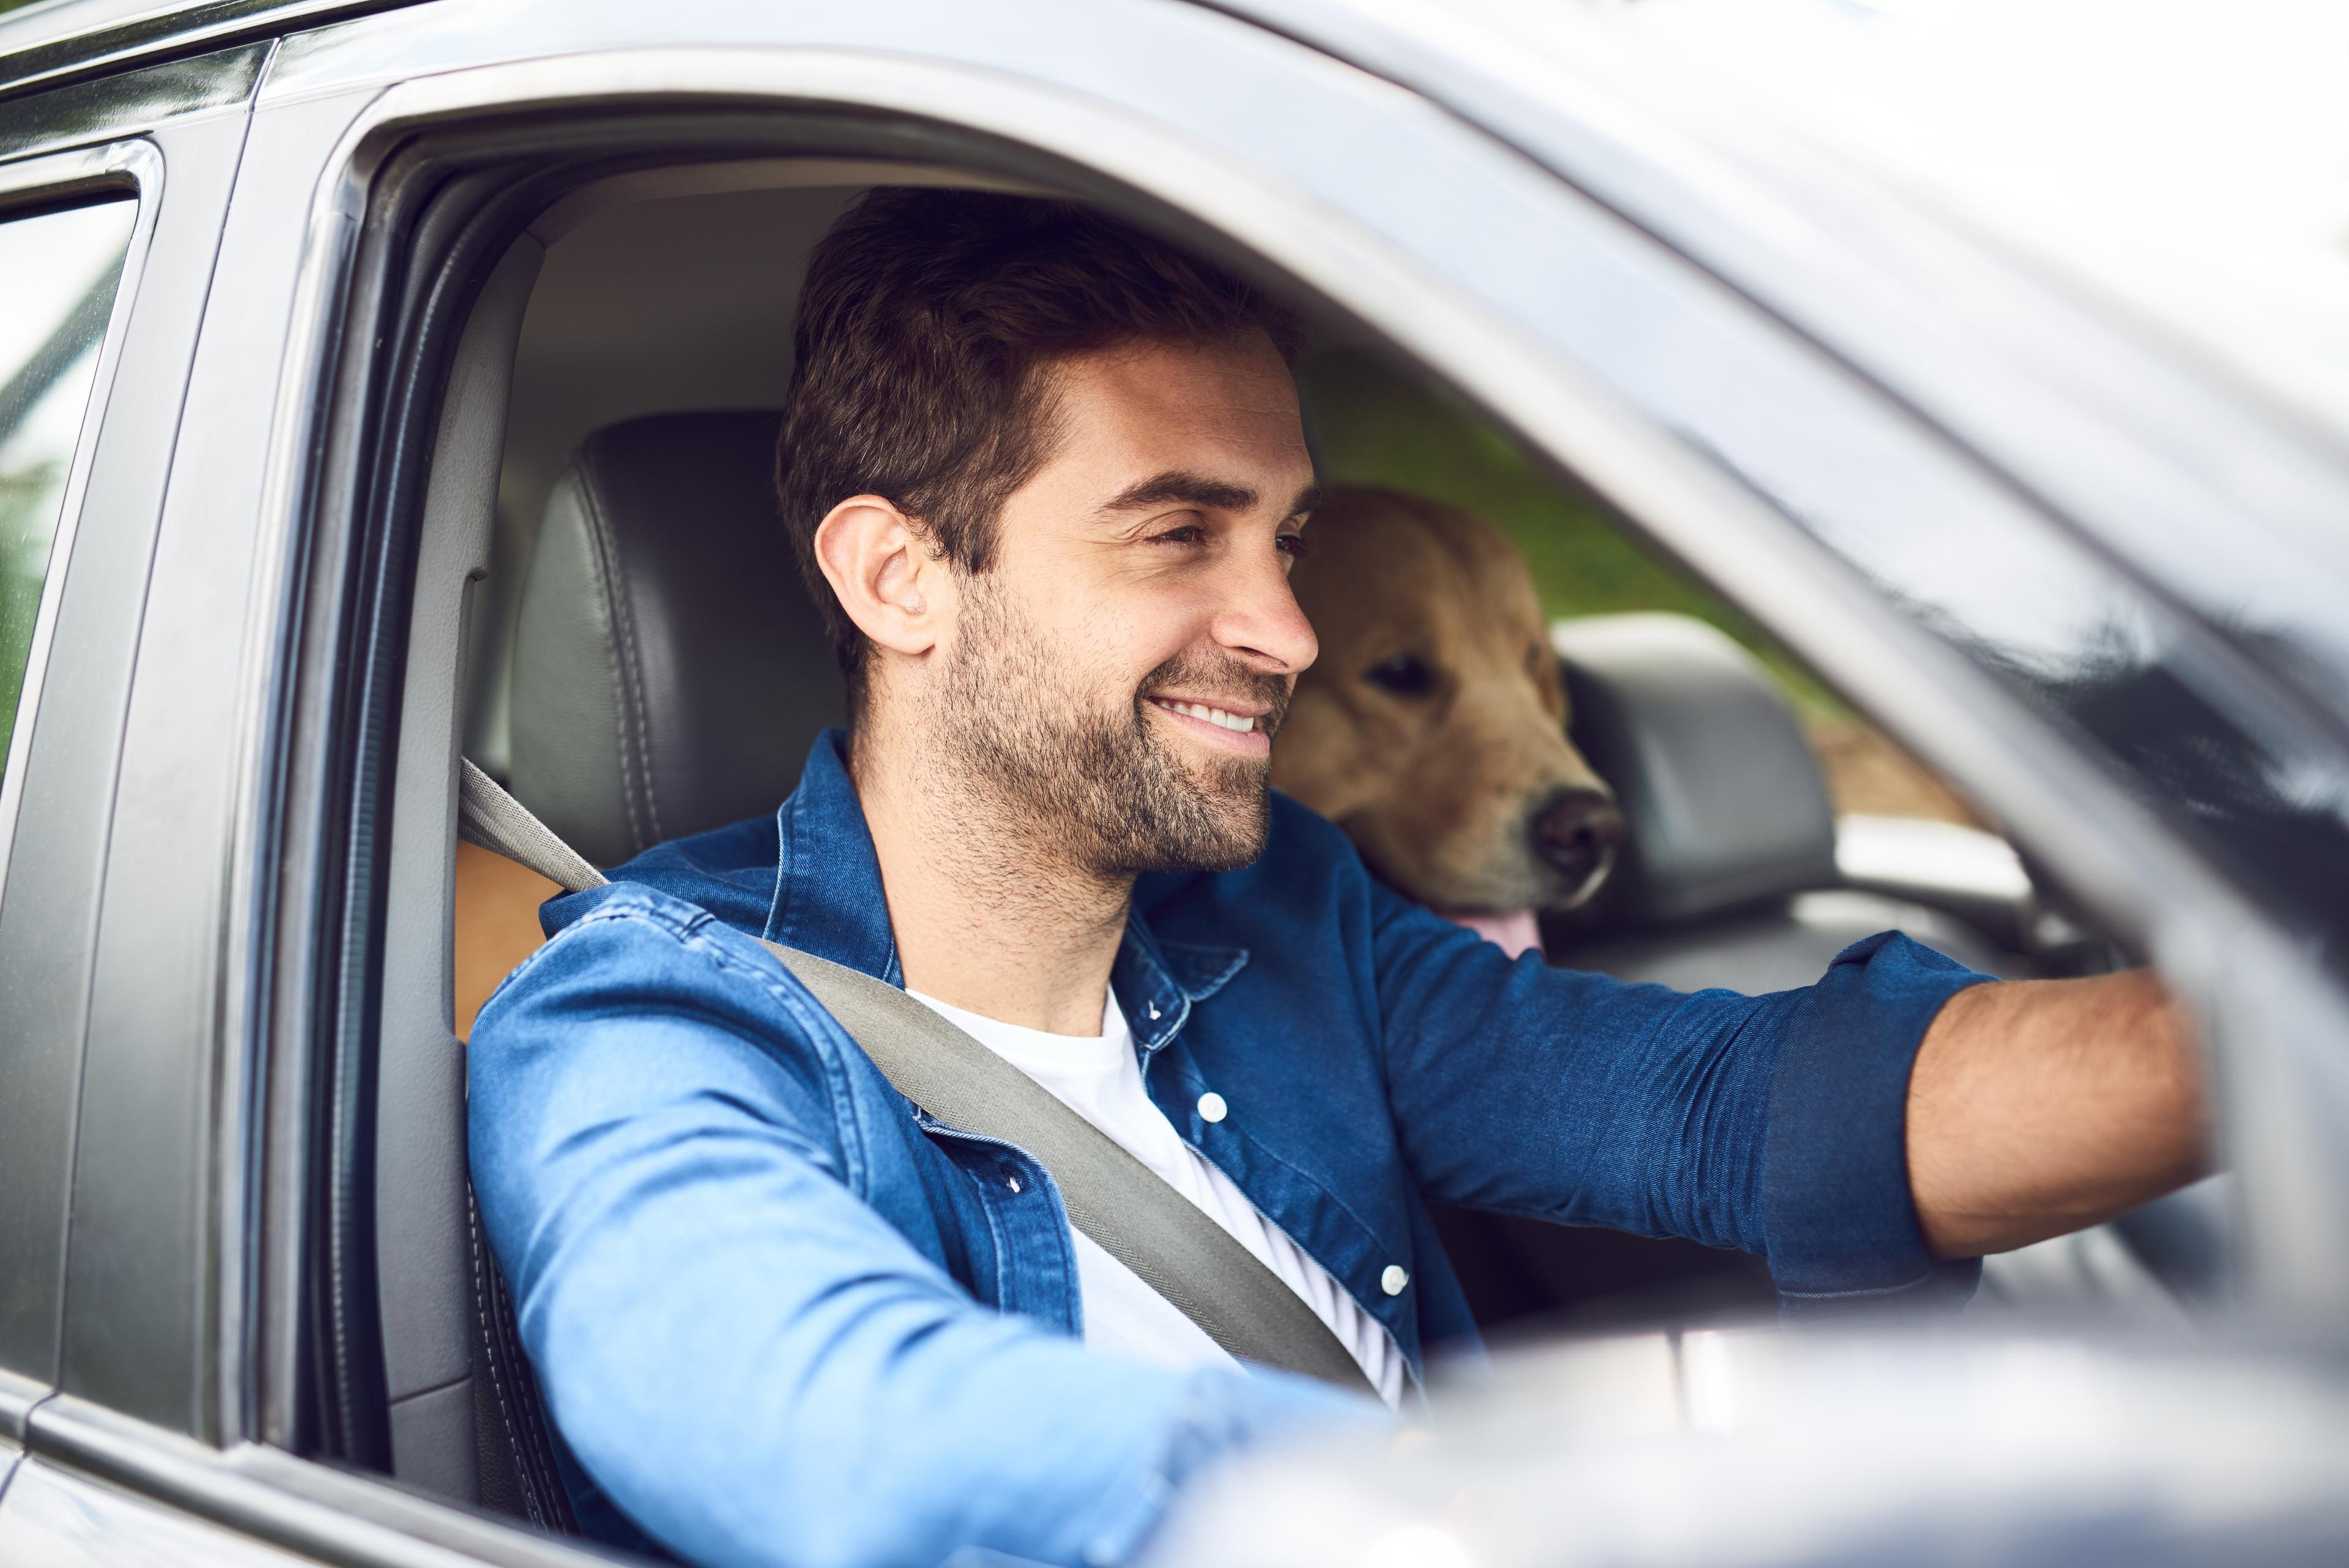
pixel 669 672
pixel 1728 877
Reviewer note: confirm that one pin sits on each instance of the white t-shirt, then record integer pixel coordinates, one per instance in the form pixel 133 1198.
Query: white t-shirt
pixel 1099 1078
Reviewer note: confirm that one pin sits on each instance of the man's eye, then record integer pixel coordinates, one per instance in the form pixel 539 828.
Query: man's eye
pixel 1292 546
pixel 1187 534
pixel 1404 675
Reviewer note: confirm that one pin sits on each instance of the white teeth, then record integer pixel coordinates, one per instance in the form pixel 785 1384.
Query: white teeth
pixel 1212 715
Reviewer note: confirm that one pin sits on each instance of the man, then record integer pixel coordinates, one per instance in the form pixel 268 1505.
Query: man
pixel 1045 476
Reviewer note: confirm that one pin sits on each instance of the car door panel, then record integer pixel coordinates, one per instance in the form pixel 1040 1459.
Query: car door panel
pixel 55 841
pixel 154 1192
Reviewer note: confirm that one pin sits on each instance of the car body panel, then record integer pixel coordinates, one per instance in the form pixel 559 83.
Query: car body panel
pixel 58 829
pixel 136 100
pixel 46 45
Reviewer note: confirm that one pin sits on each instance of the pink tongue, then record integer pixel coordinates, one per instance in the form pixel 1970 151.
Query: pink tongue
pixel 1516 931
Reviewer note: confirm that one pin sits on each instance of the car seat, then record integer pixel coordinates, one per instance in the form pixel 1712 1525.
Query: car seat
pixel 669 672
pixel 1729 874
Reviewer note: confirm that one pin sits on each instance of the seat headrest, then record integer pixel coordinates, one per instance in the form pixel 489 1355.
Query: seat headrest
pixel 1724 798
pixel 669 674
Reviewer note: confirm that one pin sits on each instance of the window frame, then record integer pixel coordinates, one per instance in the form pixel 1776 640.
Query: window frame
pixel 131 167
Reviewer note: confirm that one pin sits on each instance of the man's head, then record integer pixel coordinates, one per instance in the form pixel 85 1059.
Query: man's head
pixel 1045 476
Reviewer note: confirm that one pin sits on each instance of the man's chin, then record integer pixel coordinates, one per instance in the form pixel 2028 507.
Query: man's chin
pixel 1226 832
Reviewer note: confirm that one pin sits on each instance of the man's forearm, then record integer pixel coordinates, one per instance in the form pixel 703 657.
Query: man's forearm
pixel 2037 1107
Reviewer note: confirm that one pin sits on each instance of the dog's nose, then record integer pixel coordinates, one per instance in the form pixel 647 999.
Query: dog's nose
pixel 1578 834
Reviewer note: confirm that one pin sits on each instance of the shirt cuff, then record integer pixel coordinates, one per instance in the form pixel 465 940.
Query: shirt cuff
pixel 1840 1220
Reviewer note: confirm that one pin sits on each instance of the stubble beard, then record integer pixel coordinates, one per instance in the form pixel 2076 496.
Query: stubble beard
pixel 1037 760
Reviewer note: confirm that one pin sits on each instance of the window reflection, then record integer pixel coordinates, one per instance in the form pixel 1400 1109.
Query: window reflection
pixel 61 269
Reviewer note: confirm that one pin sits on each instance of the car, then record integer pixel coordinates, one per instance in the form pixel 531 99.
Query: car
pixel 313 302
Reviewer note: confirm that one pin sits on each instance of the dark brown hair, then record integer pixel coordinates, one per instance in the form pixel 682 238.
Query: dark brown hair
pixel 924 330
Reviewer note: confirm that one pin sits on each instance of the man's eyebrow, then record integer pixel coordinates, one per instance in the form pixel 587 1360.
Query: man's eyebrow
pixel 1175 487
pixel 1308 499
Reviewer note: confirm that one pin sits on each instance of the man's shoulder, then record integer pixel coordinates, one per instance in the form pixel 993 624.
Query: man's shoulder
pixel 727 872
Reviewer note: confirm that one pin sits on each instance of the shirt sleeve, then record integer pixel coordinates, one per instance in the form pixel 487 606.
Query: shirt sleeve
pixel 1772 1124
pixel 744 1354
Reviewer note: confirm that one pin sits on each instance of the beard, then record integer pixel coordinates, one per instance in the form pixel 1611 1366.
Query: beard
pixel 1021 744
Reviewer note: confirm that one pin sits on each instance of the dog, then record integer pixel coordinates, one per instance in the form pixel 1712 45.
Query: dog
pixel 1432 728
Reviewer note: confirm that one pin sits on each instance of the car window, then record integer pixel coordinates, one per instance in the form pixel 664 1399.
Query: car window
pixel 1375 422
pixel 62 267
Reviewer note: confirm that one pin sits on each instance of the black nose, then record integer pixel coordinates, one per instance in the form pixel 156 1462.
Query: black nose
pixel 1577 833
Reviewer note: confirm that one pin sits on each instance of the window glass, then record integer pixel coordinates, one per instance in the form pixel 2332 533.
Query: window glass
pixel 61 268
pixel 1374 422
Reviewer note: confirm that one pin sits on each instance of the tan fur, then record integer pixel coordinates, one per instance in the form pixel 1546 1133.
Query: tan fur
pixel 1435 791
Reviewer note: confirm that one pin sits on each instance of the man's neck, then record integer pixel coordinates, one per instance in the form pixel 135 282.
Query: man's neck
pixel 986 919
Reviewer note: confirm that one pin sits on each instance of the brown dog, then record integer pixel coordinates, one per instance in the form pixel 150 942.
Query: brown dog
pixel 1432 728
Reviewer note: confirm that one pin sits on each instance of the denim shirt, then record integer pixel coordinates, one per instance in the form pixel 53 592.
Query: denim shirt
pixel 779 1316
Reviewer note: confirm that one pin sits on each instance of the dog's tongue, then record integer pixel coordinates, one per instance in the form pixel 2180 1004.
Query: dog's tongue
pixel 1516 931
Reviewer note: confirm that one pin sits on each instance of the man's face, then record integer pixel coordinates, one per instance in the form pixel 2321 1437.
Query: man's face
pixel 1115 677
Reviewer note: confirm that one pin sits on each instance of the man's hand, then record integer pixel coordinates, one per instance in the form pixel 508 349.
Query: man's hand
pixel 2040 1107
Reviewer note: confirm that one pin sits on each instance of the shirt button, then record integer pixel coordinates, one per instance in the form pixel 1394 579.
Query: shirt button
pixel 1212 1107
pixel 1394 1278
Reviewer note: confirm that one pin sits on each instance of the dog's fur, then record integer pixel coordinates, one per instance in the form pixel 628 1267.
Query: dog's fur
pixel 1432 728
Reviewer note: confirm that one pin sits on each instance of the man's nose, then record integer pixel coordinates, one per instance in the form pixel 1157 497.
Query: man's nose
pixel 1260 616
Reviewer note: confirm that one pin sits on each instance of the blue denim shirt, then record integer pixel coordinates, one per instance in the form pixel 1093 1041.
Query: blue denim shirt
pixel 779 1316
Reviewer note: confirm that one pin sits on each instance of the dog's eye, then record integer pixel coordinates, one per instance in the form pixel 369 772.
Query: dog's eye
pixel 1405 675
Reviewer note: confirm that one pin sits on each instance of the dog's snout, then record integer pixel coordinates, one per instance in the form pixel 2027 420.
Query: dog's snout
pixel 1578 834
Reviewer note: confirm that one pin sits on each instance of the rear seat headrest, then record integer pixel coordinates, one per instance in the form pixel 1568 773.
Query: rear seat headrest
pixel 1722 793
pixel 669 672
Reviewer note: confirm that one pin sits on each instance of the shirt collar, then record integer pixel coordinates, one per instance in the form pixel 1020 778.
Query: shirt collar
pixel 828 900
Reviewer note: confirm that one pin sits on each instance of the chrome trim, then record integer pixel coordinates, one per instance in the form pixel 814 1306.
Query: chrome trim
pixel 19 1395
pixel 335 1516
pixel 123 43
pixel 137 167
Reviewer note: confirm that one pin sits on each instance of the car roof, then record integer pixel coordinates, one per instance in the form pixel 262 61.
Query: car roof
pixel 53 41
pixel 2188 166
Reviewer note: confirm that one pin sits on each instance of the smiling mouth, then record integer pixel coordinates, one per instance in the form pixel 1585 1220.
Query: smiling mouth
pixel 1244 723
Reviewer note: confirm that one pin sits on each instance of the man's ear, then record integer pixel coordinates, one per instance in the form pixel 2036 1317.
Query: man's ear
pixel 880 565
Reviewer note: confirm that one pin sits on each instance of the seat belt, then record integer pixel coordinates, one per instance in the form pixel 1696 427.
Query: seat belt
pixel 1125 1206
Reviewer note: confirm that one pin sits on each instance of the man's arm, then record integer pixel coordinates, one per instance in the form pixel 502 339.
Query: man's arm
pixel 2039 1107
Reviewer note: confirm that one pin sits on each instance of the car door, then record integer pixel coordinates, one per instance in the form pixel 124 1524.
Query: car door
pixel 111 197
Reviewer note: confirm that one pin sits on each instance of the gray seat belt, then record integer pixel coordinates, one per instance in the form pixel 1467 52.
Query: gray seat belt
pixel 1110 1196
